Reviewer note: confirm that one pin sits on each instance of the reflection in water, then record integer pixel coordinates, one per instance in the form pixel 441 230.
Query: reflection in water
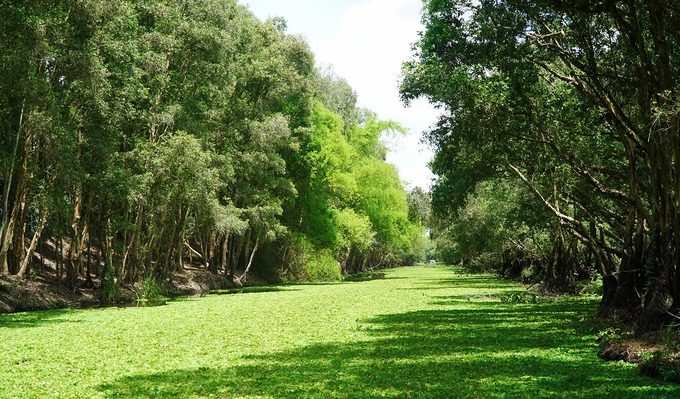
pixel 140 304
pixel 365 277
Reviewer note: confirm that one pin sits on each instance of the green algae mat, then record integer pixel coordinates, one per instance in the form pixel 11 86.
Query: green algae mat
pixel 419 332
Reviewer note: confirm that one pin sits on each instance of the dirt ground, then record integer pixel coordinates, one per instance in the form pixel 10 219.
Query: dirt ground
pixel 42 292
pixel 656 354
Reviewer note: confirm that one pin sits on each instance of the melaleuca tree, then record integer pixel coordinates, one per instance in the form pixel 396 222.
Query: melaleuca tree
pixel 139 135
pixel 419 206
pixel 590 85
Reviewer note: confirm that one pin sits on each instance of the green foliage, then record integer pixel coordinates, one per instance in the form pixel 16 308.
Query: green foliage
pixel 419 207
pixel 151 289
pixel 663 366
pixel 322 266
pixel 155 132
pixel 367 138
pixel 355 230
pixel 306 262
pixel 550 96
pixel 330 186
pixel 383 200
pixel 355 339
pixel 493 220
pixel 609 336
pixel 499 115
pixel 111 292
pixel 664 363
pixel 590 287
pixel 352 204
pixel 295 256
pixel 521 297
pixel 338 96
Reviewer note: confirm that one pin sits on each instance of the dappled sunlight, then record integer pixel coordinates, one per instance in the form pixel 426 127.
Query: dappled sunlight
pixel 475 350
pixel 37 319
pixel 393 367
pixel 417 333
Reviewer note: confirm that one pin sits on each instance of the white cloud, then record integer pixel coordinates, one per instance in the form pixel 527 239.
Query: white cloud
pixel 374 39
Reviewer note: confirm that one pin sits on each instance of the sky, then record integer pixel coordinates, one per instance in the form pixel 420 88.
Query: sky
pixel 365 42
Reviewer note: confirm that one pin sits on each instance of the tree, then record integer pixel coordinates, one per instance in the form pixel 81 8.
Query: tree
pixel 139 135
pixel 419 207
pixel 590 86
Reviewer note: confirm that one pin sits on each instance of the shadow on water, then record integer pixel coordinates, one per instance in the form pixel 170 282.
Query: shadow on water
pixel 493 350
pixel 139 304
pixel 39 318
pixel 251 290
pixel 35 318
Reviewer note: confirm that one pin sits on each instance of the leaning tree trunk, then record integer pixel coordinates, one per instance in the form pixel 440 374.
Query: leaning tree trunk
pixel 26 262
pixel 622 290
pixel 243 277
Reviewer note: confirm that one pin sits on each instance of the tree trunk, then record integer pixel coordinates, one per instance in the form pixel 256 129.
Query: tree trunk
pixel 211 254
pixel 225 252
pixel 107 255
pixel 19 244
pixel 59 246
pixel 131 256
pixel 9 226
pixel 26 262
pixel 74 249
pixel 243 277
pixel 235 257
pixel 6 225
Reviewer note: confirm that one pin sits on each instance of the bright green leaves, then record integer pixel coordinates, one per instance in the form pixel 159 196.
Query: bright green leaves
pixel 382 198
pixel 354 203
pixel 355 230
pixel 330 156
pixel 157 133
pixel 384 201
pixel 331 186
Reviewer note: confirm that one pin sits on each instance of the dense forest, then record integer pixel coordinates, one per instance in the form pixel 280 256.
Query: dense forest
pixel 142 137
pixel 558 148
pixel 139 137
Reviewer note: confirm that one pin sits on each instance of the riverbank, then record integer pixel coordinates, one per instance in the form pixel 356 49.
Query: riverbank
pixel 43 292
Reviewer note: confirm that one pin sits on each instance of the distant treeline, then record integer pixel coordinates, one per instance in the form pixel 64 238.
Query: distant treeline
pixel 140 136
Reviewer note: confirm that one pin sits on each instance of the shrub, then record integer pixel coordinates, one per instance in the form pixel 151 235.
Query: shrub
pixel 111 291
pixel 322 266
pixel 589 287
pixel 304 262
pixel 151 289
pixel 609 336
pixel 661 365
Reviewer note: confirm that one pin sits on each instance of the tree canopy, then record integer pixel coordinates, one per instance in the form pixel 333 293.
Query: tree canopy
pixel 577 102
pixel 139 137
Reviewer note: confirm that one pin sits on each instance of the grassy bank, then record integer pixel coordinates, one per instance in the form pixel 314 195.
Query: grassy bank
pixel 427 332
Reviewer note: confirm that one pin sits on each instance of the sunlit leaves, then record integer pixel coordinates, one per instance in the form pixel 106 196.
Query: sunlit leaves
pixel 152 128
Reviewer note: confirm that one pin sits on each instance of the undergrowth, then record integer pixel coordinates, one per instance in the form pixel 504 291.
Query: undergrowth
pixel 665 363
pixel 152 290
pixel 522 297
